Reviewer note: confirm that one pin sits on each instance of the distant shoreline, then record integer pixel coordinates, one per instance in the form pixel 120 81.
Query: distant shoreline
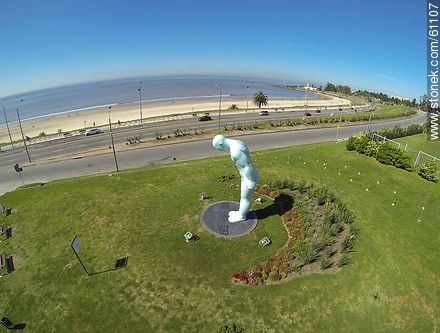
pixel 98 116
pixel 92 95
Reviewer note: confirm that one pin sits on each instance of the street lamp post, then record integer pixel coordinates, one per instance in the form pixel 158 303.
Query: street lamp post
pixel 7 125
pixel 338 127
pixel 140 99
pixel 247 98
pixel 219 106
pixel 22 136
pixel 219 109
pixel 369 121
pixel 307 99
pixel 111 136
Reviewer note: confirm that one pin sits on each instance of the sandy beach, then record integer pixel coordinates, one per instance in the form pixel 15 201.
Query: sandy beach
pixel 99 117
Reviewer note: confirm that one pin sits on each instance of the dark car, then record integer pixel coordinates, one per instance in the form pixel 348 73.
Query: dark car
pixel 205 118
pixel 340 109
pixel 93 131
pixel 264 113
pixel 318 111
pixel 307 114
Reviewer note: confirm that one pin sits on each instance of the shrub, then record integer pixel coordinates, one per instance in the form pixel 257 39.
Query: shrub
pixel 233 107
pixel 373 148
pixel 274 274
pixel 233 328
pixel 225 178
pixel 278 184
pixel 347 243
pixel 362 142
pixel 333 217
pixel 351 143
pixel 328 239
pixel 303 186
pixel 343 260
pixel 322 195
pixel 387 154
pixel 330 229
pixel 429 170
pixel 347 216
pixel 306 252
pixel 325 263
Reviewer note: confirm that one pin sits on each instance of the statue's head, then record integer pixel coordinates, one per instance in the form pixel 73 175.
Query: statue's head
pixel 219 142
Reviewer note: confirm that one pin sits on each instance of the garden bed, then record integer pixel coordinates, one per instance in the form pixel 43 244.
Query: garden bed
pixel 320 233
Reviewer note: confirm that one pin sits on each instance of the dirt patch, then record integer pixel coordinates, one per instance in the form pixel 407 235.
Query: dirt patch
pixel 101 220
pixel 186 218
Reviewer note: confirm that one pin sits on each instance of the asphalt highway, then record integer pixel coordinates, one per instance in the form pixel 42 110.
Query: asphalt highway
pixel 169 153
pixel 81 143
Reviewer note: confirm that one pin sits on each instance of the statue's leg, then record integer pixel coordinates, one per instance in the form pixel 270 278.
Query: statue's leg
pixel 245 205
pixel 245 200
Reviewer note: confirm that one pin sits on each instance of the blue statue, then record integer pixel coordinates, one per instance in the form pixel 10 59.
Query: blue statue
pixel 249 177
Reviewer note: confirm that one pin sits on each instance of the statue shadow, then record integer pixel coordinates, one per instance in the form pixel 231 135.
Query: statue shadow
pixel 282 204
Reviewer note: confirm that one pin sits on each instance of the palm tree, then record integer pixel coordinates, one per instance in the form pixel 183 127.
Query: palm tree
pixel 260 99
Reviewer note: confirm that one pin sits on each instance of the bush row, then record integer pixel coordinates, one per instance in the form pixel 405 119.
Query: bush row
pixel 381 150
pixel 361 116
pixel 385 153
pixel 399 132
pixel 179 133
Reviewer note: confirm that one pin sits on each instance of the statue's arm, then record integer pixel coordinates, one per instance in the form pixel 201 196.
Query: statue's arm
pixel 250 177
pixel 242 161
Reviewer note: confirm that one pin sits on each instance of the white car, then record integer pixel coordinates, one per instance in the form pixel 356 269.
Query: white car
pixel 93 131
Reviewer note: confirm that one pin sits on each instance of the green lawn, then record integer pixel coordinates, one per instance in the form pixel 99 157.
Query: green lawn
pixel 391 285
pixel 419 142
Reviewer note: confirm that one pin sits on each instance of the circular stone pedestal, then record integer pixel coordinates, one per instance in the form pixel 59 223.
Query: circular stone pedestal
pixel 215 220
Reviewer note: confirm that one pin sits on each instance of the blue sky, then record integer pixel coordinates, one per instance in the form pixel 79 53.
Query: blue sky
pixel 373 45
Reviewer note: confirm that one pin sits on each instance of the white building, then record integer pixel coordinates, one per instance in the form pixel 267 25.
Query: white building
pixel 309 87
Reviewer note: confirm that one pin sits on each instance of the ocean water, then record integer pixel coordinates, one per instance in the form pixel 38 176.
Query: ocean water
pixel 87 96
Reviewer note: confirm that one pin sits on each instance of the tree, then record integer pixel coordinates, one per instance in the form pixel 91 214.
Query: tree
pixel 343 89
pixel 330 87
pixel 424 103
pixel 260 99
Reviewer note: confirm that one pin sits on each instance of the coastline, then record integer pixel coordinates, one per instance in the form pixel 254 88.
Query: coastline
pixel 95 117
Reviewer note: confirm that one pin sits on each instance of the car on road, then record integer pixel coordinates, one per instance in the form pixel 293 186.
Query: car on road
pixel 93 131
pixel 318 111
pixel 264 113
pixel 205 118
pixel 307 114
pixel 340 109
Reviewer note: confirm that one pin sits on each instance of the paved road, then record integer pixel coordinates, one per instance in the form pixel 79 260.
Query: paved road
pixel 81 143
pixel 9 179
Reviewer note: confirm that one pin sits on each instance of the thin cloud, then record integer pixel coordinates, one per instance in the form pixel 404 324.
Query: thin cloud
pixel 390 78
